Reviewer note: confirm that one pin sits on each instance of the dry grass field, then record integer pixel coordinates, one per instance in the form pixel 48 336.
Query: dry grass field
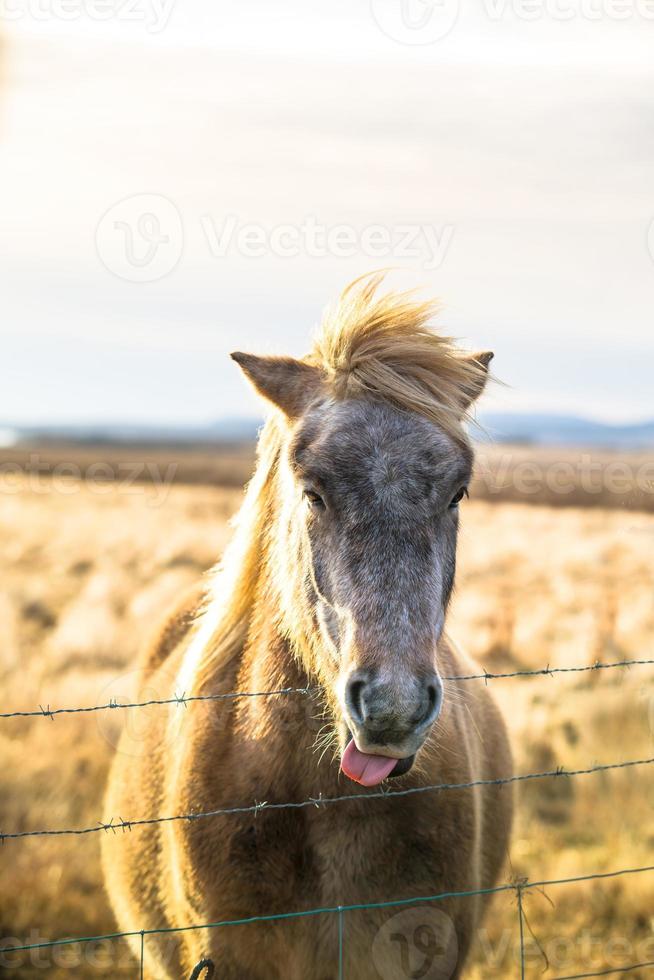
pixel 86 571
pixel 559 477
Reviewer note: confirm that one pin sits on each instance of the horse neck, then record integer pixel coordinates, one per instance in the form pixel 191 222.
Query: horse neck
pixel 282 629
pixel 272 641
pixel 283 722
pixel 277 653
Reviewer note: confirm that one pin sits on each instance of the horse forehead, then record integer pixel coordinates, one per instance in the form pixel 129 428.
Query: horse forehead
pixel 367 448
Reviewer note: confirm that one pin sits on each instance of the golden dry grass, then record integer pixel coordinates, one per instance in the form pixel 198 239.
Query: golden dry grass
pixel 86 573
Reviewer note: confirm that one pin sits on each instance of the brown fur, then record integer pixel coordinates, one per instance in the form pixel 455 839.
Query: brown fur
pixel 173 629
pixel 219 754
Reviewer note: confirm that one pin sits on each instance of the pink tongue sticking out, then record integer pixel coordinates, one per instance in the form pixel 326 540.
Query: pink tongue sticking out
pixel 366 769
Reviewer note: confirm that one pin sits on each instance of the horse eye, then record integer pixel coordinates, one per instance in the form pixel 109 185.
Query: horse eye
pixel 314 498
pixel 458 496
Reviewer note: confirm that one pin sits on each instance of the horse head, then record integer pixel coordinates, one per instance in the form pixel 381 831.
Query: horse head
pixel 373 465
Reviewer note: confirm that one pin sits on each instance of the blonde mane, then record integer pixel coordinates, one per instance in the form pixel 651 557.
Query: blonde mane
pixel 382 346
pixel 368 345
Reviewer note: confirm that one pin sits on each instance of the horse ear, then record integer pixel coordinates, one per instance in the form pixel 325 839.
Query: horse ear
pixel 479 376
pixel 287 383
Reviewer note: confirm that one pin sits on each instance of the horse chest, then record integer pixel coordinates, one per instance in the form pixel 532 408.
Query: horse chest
pixel 293 861
pixel 272 855
pixel 320 856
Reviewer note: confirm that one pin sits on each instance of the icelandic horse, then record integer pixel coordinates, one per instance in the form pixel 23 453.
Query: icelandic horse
pixel 334 590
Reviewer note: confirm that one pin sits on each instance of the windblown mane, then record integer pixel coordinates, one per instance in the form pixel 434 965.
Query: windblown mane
pixel 370 345
pixel 382 346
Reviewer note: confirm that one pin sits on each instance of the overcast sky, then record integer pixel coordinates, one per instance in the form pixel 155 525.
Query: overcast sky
pixel 505 165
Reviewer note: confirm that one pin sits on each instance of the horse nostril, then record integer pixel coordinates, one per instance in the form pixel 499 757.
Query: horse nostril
pixel 434 701
pixel 430 707
pixel 354 699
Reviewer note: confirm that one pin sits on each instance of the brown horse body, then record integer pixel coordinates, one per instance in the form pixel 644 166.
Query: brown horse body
pixel 219 754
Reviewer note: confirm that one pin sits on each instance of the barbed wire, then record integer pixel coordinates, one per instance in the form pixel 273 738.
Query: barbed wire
pixel 518 886
pixel 547 671
pixel 181 699
pixel 524 885
pixel 45 711
pixel 128 825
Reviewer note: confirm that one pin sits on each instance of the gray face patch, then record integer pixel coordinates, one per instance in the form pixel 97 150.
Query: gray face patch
pixel 374 487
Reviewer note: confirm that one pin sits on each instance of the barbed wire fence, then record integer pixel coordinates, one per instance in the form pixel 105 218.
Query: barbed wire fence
pixel 206 967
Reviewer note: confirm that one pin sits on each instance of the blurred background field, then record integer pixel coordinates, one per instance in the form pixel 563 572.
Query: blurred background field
pixel 87 569
pixel 559 476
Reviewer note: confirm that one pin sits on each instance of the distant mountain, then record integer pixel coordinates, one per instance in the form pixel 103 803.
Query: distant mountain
pixel 236 429
pixel 534 429
pixel 229 430
pixel 564 430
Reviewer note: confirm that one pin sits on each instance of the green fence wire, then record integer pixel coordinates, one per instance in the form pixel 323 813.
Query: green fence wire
pixel 340 910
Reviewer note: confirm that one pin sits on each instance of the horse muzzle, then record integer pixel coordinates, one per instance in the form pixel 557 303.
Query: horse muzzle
pixel 388 720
